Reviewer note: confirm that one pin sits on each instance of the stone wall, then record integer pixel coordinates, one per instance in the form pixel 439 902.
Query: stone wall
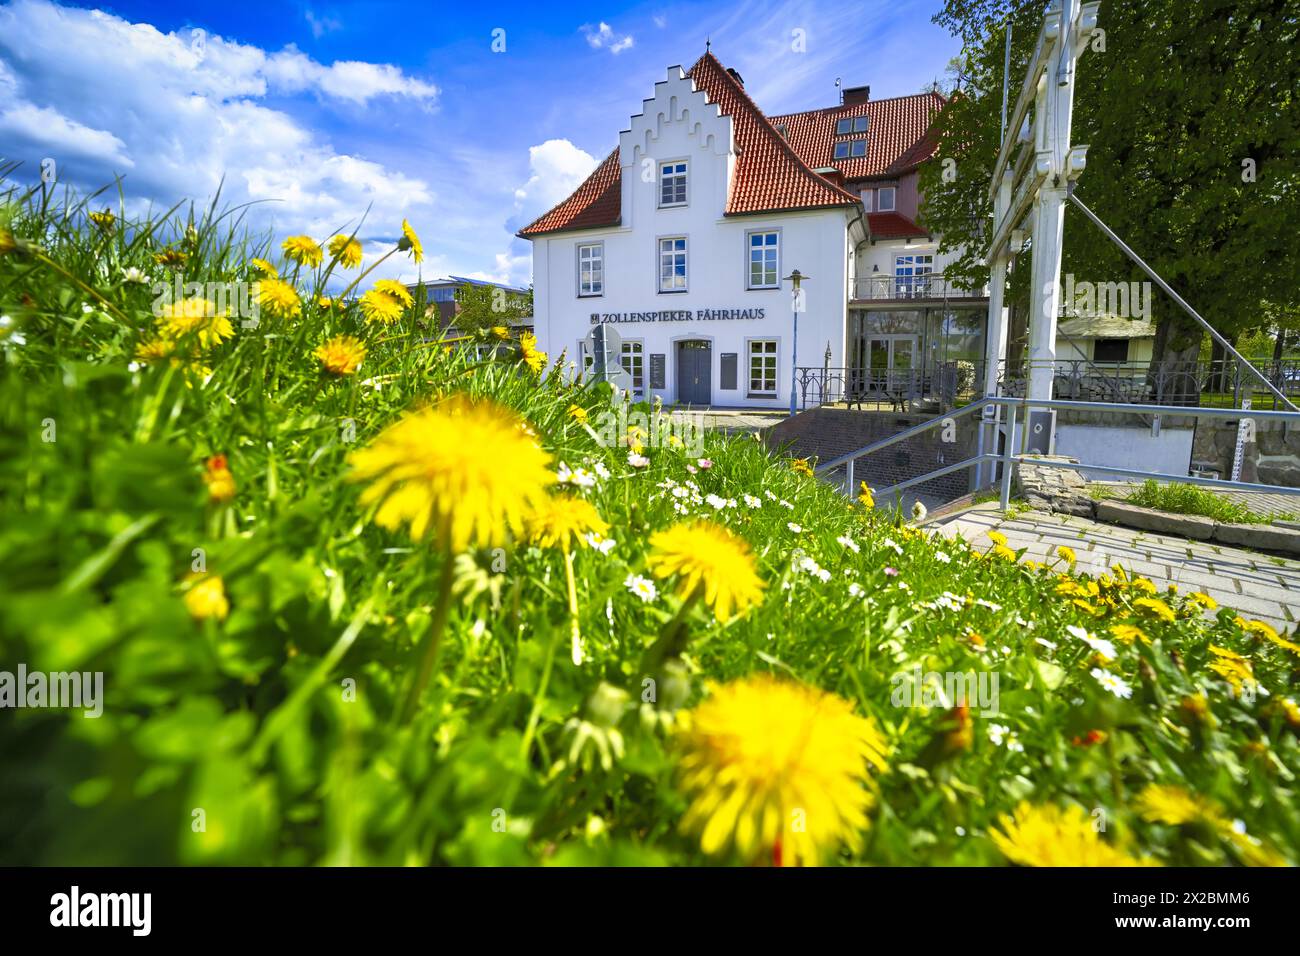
pixel 826 433
pixel 1272 459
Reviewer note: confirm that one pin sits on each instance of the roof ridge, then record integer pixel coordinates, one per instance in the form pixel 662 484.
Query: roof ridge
pixel 888 99
pixel 770 130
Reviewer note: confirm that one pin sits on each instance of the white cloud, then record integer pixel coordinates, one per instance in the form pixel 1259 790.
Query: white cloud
pixel 557 168
pixel 603 37
pixel 178 116
pixel 660 20
pixel 323 24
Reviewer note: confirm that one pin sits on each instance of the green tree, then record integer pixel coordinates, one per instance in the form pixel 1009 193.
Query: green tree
pixel 481 307
pixel 1190 117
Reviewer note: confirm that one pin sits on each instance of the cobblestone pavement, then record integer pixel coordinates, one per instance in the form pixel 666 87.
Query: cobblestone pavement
pixel 1258 586
pixel 1257 501
pixel 733 420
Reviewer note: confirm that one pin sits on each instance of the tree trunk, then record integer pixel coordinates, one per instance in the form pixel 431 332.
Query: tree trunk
pixel 1172 378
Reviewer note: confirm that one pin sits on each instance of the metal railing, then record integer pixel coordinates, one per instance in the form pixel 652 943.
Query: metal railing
pixel 933 285
pixel 1221 384
pixel 946 383
pixel 1005 424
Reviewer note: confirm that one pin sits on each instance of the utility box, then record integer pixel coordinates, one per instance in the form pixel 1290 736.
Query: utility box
pixel 1040 431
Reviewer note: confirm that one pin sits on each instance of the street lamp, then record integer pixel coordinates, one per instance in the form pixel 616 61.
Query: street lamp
pixel 797 306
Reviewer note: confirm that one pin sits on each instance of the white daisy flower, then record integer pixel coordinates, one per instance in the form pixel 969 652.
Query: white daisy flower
pixel 1112 682
pixel 752 502
pixel 599 542
pixel 797 529
pixel 849 543
pixel 637 461
pixel 642 587
pixel 943 557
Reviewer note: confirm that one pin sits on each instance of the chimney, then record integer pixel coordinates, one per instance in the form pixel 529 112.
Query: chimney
pixel 736 76
pixel 856 94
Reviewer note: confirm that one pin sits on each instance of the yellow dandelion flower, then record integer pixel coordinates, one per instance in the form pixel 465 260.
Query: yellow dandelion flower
pixel 410 241
pixel 380 307
pixel 1144 585
pixel 560 520
pixel 172 258
pixel 1156 608
pixel 1203 599
pixel 466 472
pixel 535 359
pixel 1002 551
pixel 1067 554
pixel 206 598
pixel 800 466
pixel 154 350
pixel 1128 633
pixel 1232 667
pixel 711 561
pixel 396 290
pixel 1266 631
pixel 997 537
pixel 196 317
pixel 347 250
pixel 500 332
pixel 577 413
pixel 104 220
pixel 277 297
pixel 8 243
pixel 1052 836
pixel 1177 807
pixel 777 771
pixel 866 496
pixel 263 267
pixel 341 355
pixel 303 250
pixel 219 479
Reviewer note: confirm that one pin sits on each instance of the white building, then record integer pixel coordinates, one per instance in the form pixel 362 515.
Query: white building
pixel 683 236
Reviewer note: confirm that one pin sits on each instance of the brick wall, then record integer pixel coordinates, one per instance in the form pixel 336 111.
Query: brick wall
pixel 826 433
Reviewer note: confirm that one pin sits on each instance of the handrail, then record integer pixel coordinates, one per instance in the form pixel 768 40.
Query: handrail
pixel 1189 411
pixel 905 434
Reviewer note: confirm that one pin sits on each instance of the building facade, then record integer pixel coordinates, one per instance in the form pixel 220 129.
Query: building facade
pixel 684 238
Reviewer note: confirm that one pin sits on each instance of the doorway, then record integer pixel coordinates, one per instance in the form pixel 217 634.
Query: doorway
pixel 694 372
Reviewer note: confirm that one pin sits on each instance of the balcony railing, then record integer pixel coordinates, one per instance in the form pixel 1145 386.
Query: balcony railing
pixel 935 285
pixel 949 384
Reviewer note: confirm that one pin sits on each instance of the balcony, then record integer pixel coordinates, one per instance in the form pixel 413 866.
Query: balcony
pixel 932 287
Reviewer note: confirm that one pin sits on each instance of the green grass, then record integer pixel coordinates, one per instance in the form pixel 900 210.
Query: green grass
pixel 275 725
pixel 1193 500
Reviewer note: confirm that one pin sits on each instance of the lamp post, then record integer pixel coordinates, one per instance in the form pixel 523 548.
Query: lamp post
pixel 797 305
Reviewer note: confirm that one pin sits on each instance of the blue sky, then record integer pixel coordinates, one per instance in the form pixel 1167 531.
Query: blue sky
pixel 318 110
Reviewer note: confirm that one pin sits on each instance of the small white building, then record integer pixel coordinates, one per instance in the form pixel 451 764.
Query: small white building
pixel 683 236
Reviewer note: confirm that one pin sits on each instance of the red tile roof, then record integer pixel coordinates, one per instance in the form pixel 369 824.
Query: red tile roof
pixel 892 225
pixel 896 135
pixel 597 202
pixel 771 175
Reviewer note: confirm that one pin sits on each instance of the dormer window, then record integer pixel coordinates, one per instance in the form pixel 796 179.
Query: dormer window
pixel 851 124
pixel 885 199
pixel 850 147
pixel 672 183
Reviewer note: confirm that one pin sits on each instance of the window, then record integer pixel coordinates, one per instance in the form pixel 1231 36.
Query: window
pixel 633 361
pixel 842 150
pixel 866 199
pixel 851 124
pixel 910 272
pixel 764 259
pixel 1110 350
pixel 672 183
pixel 762 367
pixel 858 147
pixel 591 269
pixel 885 195
pixel 859 124
pixel 843 126
pixel 672 264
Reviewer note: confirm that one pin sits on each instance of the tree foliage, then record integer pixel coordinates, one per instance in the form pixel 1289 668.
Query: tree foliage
pixel 1189 112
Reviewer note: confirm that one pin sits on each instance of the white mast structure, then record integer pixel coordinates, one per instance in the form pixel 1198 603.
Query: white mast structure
pixel 1030 187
